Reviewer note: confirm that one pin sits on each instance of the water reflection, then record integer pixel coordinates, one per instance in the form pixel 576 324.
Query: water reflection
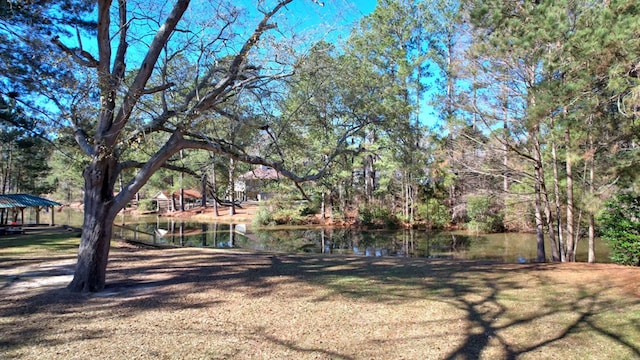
pixel 402 243
pixel 510 247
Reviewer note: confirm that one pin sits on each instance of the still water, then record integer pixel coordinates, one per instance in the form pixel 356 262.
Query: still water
pixel 504 247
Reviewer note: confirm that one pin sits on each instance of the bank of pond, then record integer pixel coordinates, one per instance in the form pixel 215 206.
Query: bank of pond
pixel 503 247
pixel 173 232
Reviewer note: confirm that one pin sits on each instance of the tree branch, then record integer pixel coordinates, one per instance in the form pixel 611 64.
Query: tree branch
pixel 80 56
pixel 171 147
pixel 119 67
pixel 81 139
pixel 211 98
pixel 158 88
pixel 144 72
pixel 138 165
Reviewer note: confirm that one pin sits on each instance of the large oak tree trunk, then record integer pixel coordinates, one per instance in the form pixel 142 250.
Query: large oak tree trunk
pixel 99 215
pixel 111 132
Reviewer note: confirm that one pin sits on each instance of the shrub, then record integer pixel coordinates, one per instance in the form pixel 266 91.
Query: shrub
pixel 435 213
pixel 280 211
pixel 146 205
pixel 620 228
pixel 289 216
pixel 483 215
pixel 377 216
pixel 365 215
pixel 263 217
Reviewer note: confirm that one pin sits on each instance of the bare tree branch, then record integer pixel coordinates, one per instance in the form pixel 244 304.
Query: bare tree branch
pixel 158 88
pixel 81 138
pixel 110 132
pixel 167 165
pixel 78 55
pixel 211 99
pixel 119 62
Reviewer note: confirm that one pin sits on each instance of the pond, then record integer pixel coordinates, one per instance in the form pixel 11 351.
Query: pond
pixel 504 247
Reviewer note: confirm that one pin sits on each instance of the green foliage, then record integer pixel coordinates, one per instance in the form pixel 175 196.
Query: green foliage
pixel 263 217
pixel 23 157
pixel 309 209
pixel 377 216
pixel 620 227
pixel 146 205
pixel 288 216
pixel 66 174
pixel 435 213
pixel 281 211
pixel 32 67
pixel 483 214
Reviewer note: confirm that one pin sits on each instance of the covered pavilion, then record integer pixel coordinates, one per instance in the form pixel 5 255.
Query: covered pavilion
pixel 18 202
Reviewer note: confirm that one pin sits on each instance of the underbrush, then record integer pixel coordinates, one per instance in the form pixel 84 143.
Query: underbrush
pixel 281 211
pixel 375 216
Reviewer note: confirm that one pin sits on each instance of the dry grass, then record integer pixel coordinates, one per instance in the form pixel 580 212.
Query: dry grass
pixel 214 304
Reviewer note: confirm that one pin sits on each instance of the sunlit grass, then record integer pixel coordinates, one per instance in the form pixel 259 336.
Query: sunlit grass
pixel 39 244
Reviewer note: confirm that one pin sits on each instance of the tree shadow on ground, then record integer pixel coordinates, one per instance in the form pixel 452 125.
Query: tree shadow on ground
pixel 506 307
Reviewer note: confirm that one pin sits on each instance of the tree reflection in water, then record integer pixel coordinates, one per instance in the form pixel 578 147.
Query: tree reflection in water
pixel 375 243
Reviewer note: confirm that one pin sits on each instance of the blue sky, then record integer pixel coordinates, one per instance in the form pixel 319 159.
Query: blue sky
pixel 331 21
pixel 366 6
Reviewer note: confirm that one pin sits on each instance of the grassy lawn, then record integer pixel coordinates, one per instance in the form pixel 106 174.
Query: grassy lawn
pixel 39 244
pixel 215 304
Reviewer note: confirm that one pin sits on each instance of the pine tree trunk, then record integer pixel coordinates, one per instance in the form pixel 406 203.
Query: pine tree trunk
pixel 555 256
pixel 592 239
pixel 553 242
pixel 214 184
pixel 592 220
pixel 540 253
pixel 7 173
pixel 232 190
pixel 556 192
pixel 181 185
pixel 405 191
pixel 538 175
pixel 181 197
pixel 93 253
pixel 571 256
pixel 174 205
pixel 369 178
pixel 204 191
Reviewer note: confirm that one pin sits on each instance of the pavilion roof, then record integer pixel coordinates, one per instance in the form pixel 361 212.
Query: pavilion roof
pixel 9 201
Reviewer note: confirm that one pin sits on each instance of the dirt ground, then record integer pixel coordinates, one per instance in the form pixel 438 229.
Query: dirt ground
pixel 216 304
pixel 242 214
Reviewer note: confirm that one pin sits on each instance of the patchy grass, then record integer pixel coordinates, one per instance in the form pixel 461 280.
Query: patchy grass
pixel 214 304
pixel 39 242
